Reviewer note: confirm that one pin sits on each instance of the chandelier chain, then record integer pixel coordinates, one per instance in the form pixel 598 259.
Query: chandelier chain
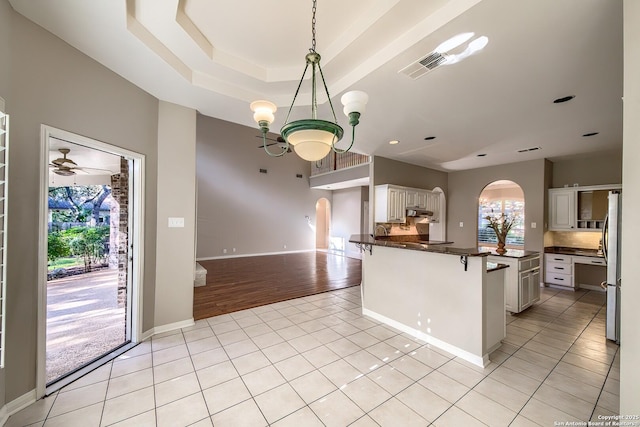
pixel 313 27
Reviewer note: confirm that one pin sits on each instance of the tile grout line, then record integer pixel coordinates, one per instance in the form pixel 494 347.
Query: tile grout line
pixel 559 360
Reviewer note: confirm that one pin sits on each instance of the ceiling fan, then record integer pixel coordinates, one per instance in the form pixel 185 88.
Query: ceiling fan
pixel 279 140
pixel 64 166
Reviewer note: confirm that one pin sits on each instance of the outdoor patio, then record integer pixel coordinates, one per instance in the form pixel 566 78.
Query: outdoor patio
pixel 83 320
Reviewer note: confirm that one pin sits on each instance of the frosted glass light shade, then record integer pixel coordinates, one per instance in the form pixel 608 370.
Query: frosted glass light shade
pixel 354 102
pixel 312 151
pixel 311 144
pixel 263 111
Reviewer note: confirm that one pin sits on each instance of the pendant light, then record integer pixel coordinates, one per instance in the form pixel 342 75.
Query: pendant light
pixel 312 139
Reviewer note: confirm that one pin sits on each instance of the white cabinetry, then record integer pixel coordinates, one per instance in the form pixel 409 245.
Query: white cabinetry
pixel 562 209
pixel 560 269
pixel 521 281
pixel 433 205
pixel 390 203
pixel 416 199
pixel 578 208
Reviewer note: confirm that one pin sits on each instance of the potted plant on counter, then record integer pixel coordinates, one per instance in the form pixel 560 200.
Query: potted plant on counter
pixel 501 225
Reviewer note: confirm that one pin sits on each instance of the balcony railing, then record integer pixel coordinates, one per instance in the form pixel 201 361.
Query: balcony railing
pixel 335 161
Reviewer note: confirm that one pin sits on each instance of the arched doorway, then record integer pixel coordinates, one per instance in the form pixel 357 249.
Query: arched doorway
pixel 498 198
pixel 323 224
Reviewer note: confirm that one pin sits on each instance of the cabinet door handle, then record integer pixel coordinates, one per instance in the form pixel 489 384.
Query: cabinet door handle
pixel 597 262
pixel 558 259
pixel 558 278
pixel 559 268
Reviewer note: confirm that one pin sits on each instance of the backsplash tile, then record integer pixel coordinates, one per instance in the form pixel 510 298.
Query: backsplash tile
pixel 573 239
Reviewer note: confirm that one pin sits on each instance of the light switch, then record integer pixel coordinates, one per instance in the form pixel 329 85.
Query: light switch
pixel 534 225
pixel 176 222
pixel 461 224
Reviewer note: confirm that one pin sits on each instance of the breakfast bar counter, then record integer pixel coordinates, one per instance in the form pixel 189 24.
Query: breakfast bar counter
pixel 437 293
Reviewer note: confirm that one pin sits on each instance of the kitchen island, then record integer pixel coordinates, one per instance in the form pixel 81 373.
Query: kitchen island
pixel 522 280
pixel 438 293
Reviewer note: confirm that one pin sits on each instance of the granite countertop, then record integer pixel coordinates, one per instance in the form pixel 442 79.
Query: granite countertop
pixel 563 250
pixel 510 253
pixel 494 266
pixel 416 245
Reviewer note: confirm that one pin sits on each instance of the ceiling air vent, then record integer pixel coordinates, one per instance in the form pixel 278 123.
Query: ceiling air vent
pixel 526 150
pixel 424 65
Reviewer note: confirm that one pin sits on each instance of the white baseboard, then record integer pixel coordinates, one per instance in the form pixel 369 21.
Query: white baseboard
pixel 481 361
pixel 172 326
pixel 16 405
pixel 251 255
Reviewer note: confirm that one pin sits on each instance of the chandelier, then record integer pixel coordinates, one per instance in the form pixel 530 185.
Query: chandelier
pixel 312 139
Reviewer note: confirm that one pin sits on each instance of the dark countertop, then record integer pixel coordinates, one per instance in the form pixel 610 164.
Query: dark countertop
pixel 511 253
pixel 563 250
pixel 423 245
pixel 494 266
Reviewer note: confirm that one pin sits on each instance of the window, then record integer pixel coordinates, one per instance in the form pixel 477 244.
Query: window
pixel 501 197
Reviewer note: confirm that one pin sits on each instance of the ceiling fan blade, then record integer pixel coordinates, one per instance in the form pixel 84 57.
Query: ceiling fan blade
pixel 85 168
pixel 269 145
pixel 62 171
pixel 278 139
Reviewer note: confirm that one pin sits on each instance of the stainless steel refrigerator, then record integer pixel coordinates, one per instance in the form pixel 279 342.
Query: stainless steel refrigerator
pixel 611 239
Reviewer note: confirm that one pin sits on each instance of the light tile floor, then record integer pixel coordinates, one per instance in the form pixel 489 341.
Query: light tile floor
pixel 317 361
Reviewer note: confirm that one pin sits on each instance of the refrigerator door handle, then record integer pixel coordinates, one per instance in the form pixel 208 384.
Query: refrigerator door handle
pixel 605 232
pixel 603 285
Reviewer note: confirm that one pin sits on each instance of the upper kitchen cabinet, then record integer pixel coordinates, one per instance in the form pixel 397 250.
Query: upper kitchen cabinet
pixel 579 208
pixel 390 203
pixel 562 209
pixel 416 199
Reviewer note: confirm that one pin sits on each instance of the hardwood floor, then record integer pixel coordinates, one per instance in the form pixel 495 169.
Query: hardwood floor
pixel 235 284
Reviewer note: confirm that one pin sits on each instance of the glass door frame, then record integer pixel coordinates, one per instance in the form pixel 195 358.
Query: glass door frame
pixel 135 254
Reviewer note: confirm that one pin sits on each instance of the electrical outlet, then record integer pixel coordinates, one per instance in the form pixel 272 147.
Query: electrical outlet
pixel 461 224
pixel 233 250
pixel 534 225
pixel 176 222
pixel 224 251
pixel 284 246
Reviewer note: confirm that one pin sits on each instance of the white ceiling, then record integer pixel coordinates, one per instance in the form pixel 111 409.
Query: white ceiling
pixel 216 56
pixel 93 167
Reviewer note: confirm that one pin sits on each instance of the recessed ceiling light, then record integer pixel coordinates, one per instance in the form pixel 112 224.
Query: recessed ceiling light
pixel 563 99
pixel 591 134
pixel 481 155
pixel 429 138
pixel 394 142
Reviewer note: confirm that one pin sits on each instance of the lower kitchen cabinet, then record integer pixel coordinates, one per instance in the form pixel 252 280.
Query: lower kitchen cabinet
pixel 521 281
pixel 558 270
pixel 563 270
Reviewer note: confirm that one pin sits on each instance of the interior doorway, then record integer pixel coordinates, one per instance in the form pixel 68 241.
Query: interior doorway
pixel 90 276
pixel 323 224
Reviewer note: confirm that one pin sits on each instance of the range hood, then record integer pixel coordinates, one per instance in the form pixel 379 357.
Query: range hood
pixel 419 213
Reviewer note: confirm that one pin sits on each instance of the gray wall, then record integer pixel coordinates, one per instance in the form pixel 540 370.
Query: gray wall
pixel 175 254
pixel 591 169
pixel 465 188
pixel 239 207
pixel 52 83
pixel 387 171
pixel 347 218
